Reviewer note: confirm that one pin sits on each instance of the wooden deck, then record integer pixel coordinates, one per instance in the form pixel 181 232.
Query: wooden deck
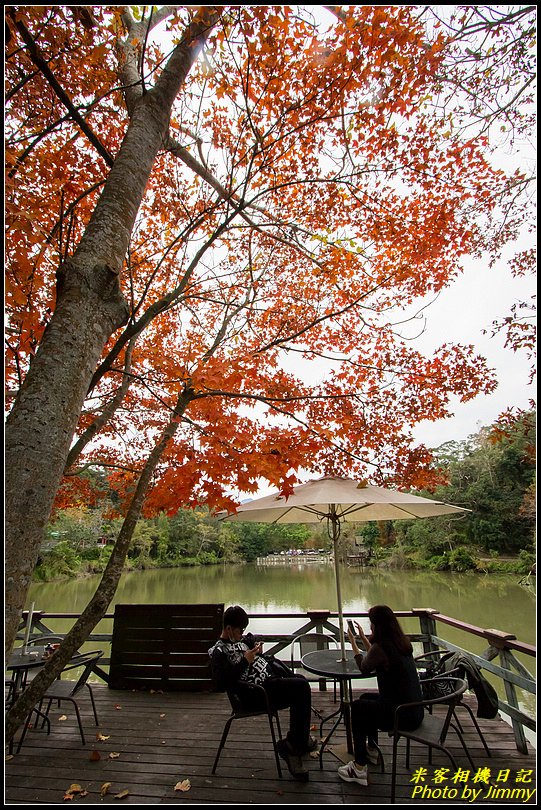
pixel 162 739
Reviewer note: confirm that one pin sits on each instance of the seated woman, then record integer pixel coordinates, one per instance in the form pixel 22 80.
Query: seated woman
pixel 389 653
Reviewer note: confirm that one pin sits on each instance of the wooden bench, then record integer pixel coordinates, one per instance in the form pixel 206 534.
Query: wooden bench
pixel 163 647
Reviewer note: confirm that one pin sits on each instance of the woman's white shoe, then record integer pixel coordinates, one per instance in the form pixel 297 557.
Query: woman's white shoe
pixel 350 773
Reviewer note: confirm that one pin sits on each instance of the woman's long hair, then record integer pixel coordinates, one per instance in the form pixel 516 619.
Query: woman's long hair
pixel 387 628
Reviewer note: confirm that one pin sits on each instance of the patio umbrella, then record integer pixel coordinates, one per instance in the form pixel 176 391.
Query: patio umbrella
pixel 339 500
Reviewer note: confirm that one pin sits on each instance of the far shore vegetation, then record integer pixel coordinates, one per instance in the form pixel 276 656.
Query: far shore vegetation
pixel 492 473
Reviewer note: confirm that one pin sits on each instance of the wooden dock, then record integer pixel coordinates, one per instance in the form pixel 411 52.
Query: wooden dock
pixel 155 741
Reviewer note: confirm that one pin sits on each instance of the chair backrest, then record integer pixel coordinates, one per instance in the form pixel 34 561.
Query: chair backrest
pixel 239 707
pixel 447 690
pixel 41 640
pixel 87 660
pixel 308 642
pixel 235 701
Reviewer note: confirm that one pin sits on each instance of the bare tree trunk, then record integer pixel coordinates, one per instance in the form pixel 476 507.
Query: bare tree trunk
pixel 97 607
pixel 89 308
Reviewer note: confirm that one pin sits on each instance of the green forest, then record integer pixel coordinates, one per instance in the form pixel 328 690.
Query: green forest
pixel 492 474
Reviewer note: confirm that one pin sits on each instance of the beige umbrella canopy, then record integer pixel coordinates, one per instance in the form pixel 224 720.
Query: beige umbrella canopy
pixel 339 500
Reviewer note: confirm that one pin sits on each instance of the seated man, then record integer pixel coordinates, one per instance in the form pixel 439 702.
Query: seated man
pixel 236 661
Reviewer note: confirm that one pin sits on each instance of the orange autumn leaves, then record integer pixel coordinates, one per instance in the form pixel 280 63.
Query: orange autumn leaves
pixel 266 284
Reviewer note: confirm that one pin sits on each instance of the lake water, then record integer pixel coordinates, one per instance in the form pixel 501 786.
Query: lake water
pixel 489 601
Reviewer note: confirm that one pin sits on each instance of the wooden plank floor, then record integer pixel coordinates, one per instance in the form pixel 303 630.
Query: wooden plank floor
pixel 164 738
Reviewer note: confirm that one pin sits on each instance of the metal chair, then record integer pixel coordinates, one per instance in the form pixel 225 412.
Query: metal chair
pixel 434 728
pixel 308 642
pixel 432 661
pixel 239 712
pixel 40 640
pixel 67 690
pixel 27 676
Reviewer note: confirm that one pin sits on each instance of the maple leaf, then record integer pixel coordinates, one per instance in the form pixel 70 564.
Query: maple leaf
pixel 74 790
pixel 122 794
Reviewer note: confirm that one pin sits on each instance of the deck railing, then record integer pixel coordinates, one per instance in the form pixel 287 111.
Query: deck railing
pixel 501 645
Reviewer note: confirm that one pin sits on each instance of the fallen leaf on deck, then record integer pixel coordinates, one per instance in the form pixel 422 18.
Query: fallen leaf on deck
pixel 118 706
pixel 73 791
pixel 9 756
pixel 63 717
pixel 122 794
pixel 104 788
pixel 100 736
pixel 162 715
pixel 113 755
pixel 314 754
pixel 95 756
pixel 184 785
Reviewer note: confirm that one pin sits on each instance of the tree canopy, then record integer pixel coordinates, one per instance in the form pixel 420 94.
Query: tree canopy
pixel 306 193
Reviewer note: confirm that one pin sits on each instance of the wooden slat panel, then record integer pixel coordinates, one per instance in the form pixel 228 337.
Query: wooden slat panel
pixel 194 636
pixel 172 658
pixel 159 669
pixel 164 645
pixel 142 684
pixel 128 634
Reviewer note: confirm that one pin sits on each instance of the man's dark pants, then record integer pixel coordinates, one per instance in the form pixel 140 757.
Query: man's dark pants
pixel 296 694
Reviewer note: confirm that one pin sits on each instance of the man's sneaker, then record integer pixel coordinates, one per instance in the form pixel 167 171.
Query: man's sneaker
pixel 349 773
pixel 372 754
pixel 293 761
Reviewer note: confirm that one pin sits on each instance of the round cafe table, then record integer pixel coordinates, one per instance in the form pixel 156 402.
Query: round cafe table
pixel 330 663
pixel 19 662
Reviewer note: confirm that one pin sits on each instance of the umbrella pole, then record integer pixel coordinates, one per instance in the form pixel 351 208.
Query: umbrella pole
pixel 335 536
pixel 345 693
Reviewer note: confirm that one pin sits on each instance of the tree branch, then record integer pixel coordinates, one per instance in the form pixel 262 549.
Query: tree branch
pixel 106 413
pixel 40 63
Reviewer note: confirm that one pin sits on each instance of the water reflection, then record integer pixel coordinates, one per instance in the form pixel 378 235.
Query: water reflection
pixel 494 601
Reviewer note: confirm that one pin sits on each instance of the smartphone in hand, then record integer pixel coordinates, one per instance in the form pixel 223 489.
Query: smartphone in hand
pixel 351 628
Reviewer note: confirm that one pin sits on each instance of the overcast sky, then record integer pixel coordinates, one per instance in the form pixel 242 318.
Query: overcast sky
pixel 461 313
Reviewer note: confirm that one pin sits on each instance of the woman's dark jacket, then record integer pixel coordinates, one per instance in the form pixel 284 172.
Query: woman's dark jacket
pixel 398 680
